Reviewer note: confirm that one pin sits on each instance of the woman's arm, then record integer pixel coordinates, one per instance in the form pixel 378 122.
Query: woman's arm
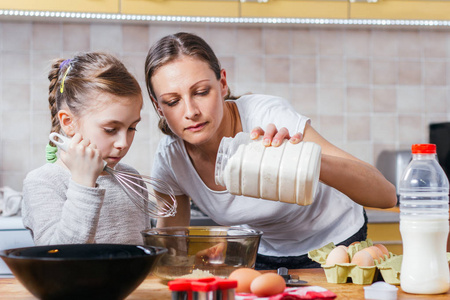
pixel 360 181
pixel 182 216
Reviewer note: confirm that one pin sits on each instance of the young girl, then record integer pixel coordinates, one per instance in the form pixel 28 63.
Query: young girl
pixel 94 100
pixel 188 89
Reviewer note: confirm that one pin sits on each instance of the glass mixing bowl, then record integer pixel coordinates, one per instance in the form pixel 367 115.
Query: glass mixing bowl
pixel 203 251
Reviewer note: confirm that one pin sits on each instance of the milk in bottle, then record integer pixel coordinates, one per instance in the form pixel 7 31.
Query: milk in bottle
pixel 424 223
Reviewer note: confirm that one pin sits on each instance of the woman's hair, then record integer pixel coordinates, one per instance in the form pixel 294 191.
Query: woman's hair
pixel 168 49
pixel 72 81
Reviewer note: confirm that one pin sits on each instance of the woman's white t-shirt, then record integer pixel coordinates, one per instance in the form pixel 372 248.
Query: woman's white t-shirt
pixel 288 229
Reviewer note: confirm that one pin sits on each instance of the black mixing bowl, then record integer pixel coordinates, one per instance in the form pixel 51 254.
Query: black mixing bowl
pixel 82 271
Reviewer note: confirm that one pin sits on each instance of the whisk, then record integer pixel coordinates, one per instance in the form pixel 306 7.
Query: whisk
pixel 135 185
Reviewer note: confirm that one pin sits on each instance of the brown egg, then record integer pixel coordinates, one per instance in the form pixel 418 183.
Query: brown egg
pixel 354 243
pixel 268 284
pixel 375 252
pixel 343 247
pixel 363 259
pixel 244 277
pixel 383 249
pixel 338 255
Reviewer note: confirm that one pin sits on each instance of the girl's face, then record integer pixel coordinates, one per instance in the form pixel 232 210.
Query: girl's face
pixel 111 125
pixel 191 98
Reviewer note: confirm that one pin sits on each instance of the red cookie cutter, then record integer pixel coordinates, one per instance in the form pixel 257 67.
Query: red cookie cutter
pixel 199 288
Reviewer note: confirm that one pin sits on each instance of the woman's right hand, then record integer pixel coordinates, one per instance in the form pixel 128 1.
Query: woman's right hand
pixel 274 137
pixel 84 161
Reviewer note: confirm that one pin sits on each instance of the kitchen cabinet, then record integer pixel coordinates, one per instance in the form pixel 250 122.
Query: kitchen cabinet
pixel 96 6
pixel 236 8
pixel 387 234
pixel 337 9
pixel 200 8
pixel 401 10
pixel 383 228
pixel 321 9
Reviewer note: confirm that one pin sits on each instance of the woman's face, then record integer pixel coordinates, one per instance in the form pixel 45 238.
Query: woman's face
pixel 111 125
pixel 191 98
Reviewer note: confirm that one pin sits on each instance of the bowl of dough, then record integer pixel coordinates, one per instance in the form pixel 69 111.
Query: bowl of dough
pixel 82 271
pixel 203 251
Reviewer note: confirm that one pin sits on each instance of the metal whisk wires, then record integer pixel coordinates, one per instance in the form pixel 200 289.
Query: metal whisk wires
pixel 136 186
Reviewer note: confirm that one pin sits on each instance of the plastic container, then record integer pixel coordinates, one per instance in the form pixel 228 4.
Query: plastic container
pixel 424 223
pixel 380 291
pixel 288 173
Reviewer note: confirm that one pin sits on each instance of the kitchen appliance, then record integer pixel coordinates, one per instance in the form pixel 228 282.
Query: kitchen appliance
pixel 392 163
pixel 440 136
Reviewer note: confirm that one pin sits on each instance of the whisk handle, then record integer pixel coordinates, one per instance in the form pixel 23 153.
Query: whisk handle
pixel 63 142
pixel 60 140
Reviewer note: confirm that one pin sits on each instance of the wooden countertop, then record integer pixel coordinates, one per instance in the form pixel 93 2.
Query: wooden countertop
pixel 153 289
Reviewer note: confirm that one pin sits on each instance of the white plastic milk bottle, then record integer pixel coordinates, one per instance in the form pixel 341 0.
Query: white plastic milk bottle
pixel 424 223
pixel 288 173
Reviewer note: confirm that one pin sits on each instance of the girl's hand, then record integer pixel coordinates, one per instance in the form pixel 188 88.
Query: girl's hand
pixel 274 137
pixel 84 161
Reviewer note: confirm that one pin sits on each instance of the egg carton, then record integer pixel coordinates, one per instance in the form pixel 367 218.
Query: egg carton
pixel 341 273
pixel 390 269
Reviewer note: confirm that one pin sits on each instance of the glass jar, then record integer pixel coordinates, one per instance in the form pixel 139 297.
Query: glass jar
pixel 288 173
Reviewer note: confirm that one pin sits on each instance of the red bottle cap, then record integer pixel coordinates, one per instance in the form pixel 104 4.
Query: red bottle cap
pixel 423 148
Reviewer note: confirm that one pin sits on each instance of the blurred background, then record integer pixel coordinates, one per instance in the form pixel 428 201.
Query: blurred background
pixel 367 88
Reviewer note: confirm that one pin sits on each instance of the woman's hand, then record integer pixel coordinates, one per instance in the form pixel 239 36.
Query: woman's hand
pixel 273 136
pixel 213 255
pixel 84 161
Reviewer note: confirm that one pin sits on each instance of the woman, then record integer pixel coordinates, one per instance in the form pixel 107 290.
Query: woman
pixel 189 91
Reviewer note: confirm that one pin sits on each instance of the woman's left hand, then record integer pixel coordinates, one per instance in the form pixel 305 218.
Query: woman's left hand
pixel 273 136
pixel 212 255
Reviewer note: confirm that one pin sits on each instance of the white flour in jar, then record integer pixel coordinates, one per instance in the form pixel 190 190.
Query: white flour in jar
pixel 288 173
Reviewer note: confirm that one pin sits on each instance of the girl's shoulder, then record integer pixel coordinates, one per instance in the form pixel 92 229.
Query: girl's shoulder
pixel 49 170
pixel 48 174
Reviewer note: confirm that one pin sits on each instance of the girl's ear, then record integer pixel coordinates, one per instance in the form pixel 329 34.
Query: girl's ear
pixel 67 122
pixel 223 83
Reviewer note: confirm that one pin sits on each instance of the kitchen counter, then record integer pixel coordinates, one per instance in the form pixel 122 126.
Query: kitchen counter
pixel 375 215
pixel 153 289
pixel 12 235
pixel 383 228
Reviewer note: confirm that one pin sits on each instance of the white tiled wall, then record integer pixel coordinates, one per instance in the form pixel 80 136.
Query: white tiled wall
pixel 365 89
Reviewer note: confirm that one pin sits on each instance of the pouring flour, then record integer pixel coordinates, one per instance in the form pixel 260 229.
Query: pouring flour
pixel 288 173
